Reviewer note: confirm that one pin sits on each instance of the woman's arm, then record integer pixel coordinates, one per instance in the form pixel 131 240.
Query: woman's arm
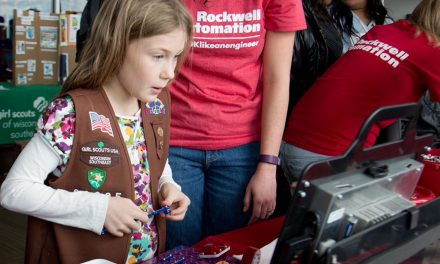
pixel 277 59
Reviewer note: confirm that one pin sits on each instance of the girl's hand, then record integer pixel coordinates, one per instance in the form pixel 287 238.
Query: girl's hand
pixel 176 200
pixel 123 216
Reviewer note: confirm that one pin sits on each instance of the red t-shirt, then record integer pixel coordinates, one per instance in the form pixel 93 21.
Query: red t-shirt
pixel 389 66
pixel 216 99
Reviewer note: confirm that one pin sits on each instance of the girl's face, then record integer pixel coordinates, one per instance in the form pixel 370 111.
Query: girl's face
pixel 149 64
pixel 356 4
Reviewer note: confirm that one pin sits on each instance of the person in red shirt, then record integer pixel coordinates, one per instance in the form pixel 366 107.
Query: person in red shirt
pixel 229 105
pixel 391 65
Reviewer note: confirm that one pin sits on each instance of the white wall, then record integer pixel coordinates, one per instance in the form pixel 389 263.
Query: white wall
pixel 43 5
pixel 72 5
pixel 399 8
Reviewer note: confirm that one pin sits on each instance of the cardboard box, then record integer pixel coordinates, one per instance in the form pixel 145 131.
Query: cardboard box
pixel 69 25
pixel 35 48
pixel 48 71
pixel 24 48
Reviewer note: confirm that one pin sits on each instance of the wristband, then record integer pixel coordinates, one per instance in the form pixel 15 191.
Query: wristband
pixel 271 159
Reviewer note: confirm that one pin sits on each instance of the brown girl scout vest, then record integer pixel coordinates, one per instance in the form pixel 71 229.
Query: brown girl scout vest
pixel 99 162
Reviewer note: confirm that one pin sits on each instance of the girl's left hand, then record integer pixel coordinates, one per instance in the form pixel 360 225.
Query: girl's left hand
pixel 176 200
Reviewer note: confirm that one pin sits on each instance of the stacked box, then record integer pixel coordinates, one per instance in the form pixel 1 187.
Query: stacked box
pixel 69 25
pixel 35 48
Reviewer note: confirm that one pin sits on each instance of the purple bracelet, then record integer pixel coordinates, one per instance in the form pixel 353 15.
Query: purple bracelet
pixel 271 159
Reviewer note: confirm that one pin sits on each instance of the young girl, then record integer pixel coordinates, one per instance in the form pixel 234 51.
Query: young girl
pixel 97 166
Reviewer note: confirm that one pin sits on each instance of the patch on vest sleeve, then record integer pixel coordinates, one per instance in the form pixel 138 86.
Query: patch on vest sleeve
pixel 99 154
pixel 96 178
pixel 156 107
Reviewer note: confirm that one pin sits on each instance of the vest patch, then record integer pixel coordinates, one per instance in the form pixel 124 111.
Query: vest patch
pixel 96 178
pixel 156 107
pixel 100 122
pixel 160 131
pixel 99 154
pixel 109 193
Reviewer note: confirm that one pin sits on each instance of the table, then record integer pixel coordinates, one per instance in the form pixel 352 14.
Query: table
pixel 243 241
pixel 20 108
pixel 257 235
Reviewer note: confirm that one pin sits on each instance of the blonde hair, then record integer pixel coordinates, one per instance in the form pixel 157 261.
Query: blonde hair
pixel 117 23
pixel 426 17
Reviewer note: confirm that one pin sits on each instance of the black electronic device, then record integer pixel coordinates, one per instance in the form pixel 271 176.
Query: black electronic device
pixel 356 208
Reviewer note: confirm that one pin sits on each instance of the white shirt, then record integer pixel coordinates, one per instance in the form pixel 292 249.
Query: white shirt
pixel 359 29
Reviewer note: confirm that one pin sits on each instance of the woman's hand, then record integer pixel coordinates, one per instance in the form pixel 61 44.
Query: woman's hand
pixel 261 193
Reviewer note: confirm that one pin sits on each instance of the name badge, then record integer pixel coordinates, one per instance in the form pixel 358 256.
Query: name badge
pixel 99 154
